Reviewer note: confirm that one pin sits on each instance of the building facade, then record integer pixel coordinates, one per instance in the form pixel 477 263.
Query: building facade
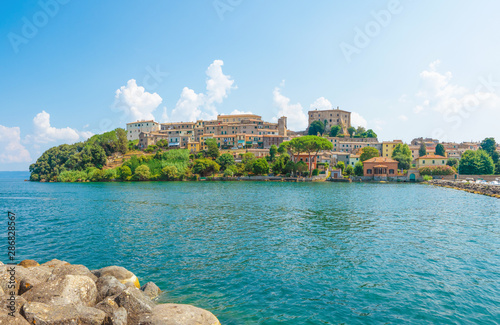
pixel 135 128
pixel 331 117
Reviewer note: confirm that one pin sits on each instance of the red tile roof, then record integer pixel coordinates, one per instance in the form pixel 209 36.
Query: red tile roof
pixel 432 156
pixel 380 160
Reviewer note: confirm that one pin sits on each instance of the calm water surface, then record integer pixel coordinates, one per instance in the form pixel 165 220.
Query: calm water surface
pixel 269 253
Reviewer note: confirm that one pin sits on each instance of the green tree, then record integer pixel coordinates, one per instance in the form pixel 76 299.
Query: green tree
pixel 316 127
pixel 280 163
pixel 212 148
pixel 290 168
pixel 204 167
pixel 370 134
pixel 301 167
pixel 340 165
pixel 282 149
pixel 142 173
pixel 225 160
pixel 124 172
pixel 368 153
pixel 402 154
pixel 335 130
pixel 489 145
pixel 169 172
pixel 349 170
pixel 486 166
pixel 452 162
pixel 358 169
pixel 423 150
pixel 440 151
pixel 351 131
pixel 260 166
pixel 312 145
pixel 476 163
pixel 360 131
pixel 272 152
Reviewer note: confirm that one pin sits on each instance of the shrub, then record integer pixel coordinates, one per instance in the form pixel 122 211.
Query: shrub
pixel 142 173
pixel 315 172
pixel 437 170
pixel 427 178
pixel 169 172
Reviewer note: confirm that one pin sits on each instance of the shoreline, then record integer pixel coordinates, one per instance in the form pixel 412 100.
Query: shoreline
pixel 471 187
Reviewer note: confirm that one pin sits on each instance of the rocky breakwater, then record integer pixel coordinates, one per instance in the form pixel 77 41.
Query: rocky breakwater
pixel 472 187
pixel 58 293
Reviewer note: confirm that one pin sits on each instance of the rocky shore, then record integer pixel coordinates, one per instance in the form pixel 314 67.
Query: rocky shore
pixel 59 293
pixel 485 189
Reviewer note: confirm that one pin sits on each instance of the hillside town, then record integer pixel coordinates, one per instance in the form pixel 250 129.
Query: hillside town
pixel 249 133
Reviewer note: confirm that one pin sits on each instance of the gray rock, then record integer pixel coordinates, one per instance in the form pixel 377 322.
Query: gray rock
pixel 63 270
pixel 15 274
pixel 119 317
pixel 175 314
pixel 43 314
pixel 70 289
pixel 120 273
pixel 108 286
pixel 9 305
pixel 151 290
pixel 135 303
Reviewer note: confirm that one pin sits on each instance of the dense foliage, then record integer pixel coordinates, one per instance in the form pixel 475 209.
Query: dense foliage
pixel 476 163
pixel 437 170
pixel 402 154
pixel 78 157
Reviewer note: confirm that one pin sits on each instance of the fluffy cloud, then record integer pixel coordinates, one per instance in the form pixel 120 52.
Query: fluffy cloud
pixel 297 119
pixel 193 106
pixel 321 104
pixel 439 94
pixel 358 120
pixel 135 102
pixel 236 112
pixel 43 132
pixel 403 117
pixel 11 149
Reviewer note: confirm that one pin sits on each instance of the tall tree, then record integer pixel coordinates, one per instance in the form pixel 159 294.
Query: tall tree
pixel 351 131
pixel 334 130
pixel 489 145
pixel 314 144
pixel 316 127
pixel 273 151
pixel 213 148
pixel 423 150
pixel 440 151
pixel 402 154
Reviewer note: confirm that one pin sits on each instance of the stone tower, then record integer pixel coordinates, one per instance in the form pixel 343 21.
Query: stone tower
pixel 282 126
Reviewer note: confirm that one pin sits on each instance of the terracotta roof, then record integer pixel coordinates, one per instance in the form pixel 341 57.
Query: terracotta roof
pixel 432 156
pixel 380 160
pixel 380 166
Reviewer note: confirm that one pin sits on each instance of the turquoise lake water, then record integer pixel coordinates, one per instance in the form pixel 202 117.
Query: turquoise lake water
pixel 269 253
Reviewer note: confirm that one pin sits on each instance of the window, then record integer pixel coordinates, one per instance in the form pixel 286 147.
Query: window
pixel 368 171
pixel 391 171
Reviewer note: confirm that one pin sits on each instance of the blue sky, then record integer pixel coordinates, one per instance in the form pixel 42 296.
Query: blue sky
pixel 412 68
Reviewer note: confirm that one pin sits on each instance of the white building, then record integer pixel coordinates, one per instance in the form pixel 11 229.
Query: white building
pixel 135 128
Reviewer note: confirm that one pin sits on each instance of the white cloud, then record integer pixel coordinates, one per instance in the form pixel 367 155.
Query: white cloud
pixel 321 104
pixel 192 106
pixel 297 119
pixel 403 117
pixel 164 116
pixel 11 149
pixel 358 120
pixel 43 132
pixel 237 112
pixel 135 102
pixel 439 94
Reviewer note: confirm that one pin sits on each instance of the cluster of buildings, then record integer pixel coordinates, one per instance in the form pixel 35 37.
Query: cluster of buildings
pixel 249 132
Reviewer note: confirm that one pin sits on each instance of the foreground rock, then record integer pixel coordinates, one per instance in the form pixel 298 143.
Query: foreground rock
pixel 58 293
pixel 172 314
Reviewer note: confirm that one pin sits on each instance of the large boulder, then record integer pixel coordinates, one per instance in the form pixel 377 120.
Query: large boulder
pixel 42 314
pixel 108 286
pixel 11 305
pixel 68 269
pixel 116 315
pixel 15 274
pixel 70 289
pixel 174 314
pixel 135 302
pixel 6 319
pixel 151 290
pixel 120 273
